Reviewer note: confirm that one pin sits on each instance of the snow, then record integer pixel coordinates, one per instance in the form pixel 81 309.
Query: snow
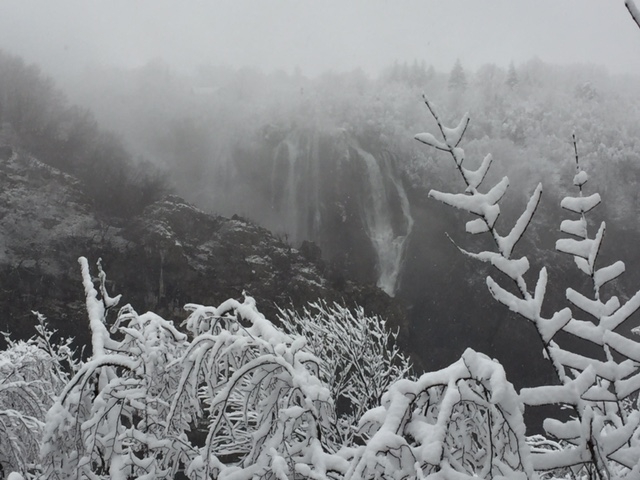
pixel 454 135
pixel 559 320
pixel 575 227
pixel 429 139
pixel 530 307
pixel 476 226
pixel 565 430
pixel 578 248
pixel 402 417
pixel 567 394
pixel 629 386
pixel 583 265
pixel 595 308
pixel 474 178
pixel 256 260
pixel 615 439
pixel 507 243
pixel 623 345
pixel 581 204
pixel 512 268
pixel 607 370
pixel 484 205
pixel 612 321
pixel 580 179
pixel 95 310
pixel 606 274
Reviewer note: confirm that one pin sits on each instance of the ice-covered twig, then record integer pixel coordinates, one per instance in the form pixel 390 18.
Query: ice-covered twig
pixel 529 304
pixel 616 380
pixel 483 205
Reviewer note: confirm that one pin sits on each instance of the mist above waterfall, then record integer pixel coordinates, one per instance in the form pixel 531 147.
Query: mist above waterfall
pixel 324 186
pixel 332 159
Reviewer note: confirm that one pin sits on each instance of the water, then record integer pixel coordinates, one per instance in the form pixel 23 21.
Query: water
pixel 298 197
pixel 389 243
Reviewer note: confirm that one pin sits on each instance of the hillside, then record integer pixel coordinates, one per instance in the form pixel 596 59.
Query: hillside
pixel 169 255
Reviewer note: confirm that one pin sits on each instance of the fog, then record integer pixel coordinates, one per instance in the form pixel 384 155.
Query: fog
pixel 68 35
pixel 315 140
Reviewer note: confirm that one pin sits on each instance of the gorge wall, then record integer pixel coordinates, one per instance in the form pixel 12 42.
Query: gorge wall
pixel 343 193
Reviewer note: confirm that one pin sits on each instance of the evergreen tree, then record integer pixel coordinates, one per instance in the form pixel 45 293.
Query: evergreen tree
pixel 457 78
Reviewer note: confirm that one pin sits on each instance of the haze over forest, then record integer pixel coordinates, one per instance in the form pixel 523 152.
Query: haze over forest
pixel 293 165
pixel 254 108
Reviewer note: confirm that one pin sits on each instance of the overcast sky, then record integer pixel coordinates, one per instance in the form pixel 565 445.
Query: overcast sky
pixel 66 35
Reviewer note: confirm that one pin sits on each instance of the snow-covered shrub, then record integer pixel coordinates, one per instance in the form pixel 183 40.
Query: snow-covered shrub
pixel 358 358
pixel 32 373
pixel 464 421
pixel 108 421
pixel 130 411
pixel 23 405
pixel 268 413
pixel 264 400
pixel 601 440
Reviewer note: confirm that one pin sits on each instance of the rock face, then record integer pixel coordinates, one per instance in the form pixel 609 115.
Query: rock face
pixel 323 185
pixel 170 255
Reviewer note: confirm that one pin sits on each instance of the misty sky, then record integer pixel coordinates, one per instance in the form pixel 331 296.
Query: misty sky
pixel 64 36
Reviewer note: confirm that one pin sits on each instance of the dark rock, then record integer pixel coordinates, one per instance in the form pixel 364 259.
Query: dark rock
pixel 170 255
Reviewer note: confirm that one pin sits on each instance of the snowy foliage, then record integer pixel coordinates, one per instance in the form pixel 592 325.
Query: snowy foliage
pixel 601 439
pixel 31 374
pixel 233 397
pixel 464 421
pixel 359 358
pixel 237 397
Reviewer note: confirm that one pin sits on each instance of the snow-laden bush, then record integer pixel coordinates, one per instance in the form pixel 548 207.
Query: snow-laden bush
pixel 32 373
pixel 238 398
pixel 463 422
pixel 359 358
pixel 139 406
pixel 110 419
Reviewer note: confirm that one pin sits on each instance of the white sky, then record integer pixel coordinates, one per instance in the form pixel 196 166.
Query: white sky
pixel 66 35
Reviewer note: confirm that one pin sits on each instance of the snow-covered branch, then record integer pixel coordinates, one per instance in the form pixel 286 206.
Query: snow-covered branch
pixel 588 386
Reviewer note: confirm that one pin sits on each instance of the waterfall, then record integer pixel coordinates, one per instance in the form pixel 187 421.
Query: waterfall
pixel 284 188
pixel 388 242
pixel 310 183
pixel 294 189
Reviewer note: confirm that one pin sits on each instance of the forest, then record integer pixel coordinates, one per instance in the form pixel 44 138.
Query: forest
pixel 291 152
pixel 518 357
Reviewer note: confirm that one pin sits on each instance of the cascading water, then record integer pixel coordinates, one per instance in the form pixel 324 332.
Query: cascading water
pixel 329 188
pixel 294 189
pixel 389 242
pixel 284 188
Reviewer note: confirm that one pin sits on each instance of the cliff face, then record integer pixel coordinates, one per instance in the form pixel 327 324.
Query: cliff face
pixel 323 185
pixel 169 255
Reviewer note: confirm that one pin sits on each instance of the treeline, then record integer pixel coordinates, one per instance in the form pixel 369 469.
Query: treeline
pixel 524 113
pixel 36 117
